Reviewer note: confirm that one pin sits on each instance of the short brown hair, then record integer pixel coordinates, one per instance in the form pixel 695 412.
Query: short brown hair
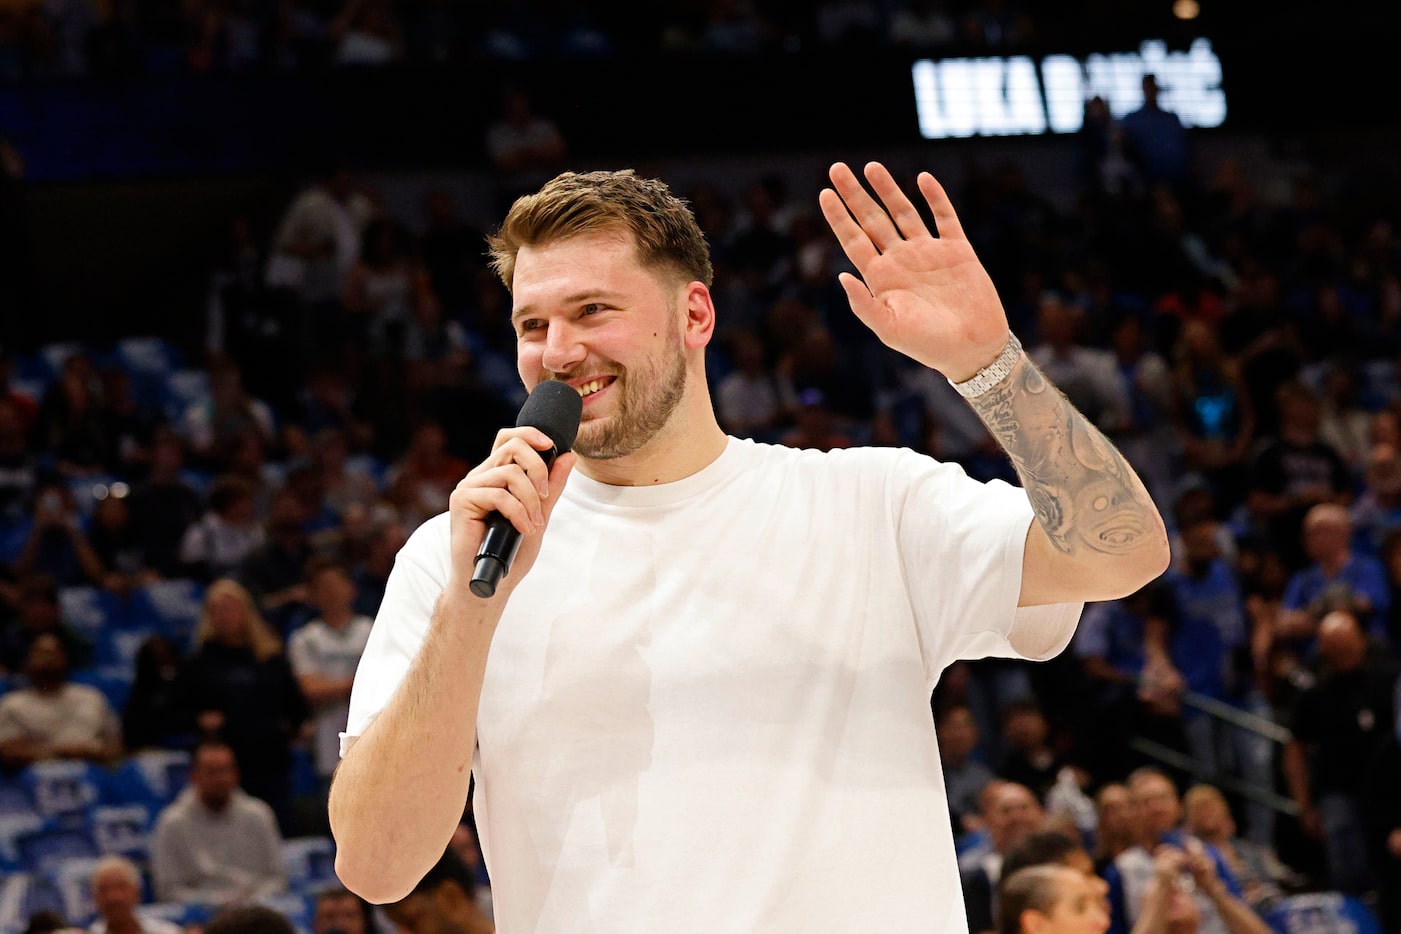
pixel 662 225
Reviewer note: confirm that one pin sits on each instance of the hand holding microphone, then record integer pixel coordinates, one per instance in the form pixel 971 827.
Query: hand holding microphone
pixel 507 498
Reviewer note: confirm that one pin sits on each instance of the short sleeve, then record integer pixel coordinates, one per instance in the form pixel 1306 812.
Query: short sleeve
pixel 415 583
pixel 962 543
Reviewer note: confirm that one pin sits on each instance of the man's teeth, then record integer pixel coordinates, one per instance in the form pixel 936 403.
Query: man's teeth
pixel 591 387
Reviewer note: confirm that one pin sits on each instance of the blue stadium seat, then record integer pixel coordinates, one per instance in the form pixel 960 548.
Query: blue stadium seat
pixel 165 771
pixel 13 798
pixel 62 787
pixel 128 782
pixel 112 679
pixel 12 827
pixel 170 607
pixel 181 389
pixel 123 830
pixel 72 879
pixel 55 843
pixel 90 610
pixel 1322 912
pixel 310 863
pixel 21 895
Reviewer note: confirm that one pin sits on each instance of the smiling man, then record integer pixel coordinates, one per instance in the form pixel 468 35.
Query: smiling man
pixel 700 699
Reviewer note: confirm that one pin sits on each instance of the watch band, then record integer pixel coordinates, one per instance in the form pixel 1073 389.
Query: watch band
pixel 992 374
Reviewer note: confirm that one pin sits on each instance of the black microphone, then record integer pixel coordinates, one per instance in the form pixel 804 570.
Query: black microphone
pixel 555 408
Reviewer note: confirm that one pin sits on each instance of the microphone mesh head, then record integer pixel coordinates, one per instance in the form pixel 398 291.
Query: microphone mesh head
pixel 555 408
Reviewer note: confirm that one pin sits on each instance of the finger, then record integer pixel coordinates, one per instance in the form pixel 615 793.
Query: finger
pixel 945 220
pixel 870 215
pixel 900 208
pixel 857 246
pixel 533 437
pixel 517 451
pixel 862 302
pixel 559 475
pixel 497 499
pixel 509 478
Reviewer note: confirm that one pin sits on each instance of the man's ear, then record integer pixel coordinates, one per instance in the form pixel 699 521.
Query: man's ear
pixel 1034 922
pixel 700 315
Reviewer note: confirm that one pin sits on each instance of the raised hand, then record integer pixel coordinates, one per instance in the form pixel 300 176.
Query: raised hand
pixel 926 296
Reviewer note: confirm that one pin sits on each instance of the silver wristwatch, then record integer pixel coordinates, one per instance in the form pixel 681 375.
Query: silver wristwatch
pixel 992 374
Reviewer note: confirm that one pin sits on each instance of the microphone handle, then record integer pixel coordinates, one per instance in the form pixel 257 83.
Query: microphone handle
pixel 499 547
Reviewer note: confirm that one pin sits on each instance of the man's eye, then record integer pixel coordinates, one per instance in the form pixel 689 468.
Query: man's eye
pixel 531 325
pixel 592 308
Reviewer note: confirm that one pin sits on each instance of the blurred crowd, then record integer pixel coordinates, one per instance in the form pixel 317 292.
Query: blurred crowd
pixel 1240 348
pixel 107 38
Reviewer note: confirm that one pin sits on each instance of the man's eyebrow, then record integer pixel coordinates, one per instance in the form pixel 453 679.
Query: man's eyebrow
pixel 525 311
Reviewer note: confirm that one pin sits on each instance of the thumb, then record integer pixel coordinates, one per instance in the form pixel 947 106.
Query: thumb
pixel 862 302
pixel 559 476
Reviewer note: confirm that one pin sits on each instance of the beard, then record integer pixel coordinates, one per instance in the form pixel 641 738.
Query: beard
pixel 645 402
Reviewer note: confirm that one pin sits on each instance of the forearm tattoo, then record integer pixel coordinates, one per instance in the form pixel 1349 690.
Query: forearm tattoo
pixel 1083 492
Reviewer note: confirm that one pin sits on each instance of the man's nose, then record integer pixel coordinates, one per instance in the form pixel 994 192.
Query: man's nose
pixel 563 348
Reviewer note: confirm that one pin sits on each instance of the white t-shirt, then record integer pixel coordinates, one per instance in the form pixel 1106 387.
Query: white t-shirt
pixel 319 649
pixel 707 706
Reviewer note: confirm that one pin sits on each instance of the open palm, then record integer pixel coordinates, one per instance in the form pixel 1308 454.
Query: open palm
pixel 926 296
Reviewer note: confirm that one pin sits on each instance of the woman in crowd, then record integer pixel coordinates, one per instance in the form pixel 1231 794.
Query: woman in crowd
pixel 238 686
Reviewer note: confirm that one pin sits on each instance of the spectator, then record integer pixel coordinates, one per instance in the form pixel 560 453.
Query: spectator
pixel 1209 642
pixel 441 901
pixel 165 504
pixel 1146 440
pixel 152 717
pixel 1212 410
pixel 816 424
pixel 39 614
pixel 1182 881
pixel 1337 579
pixel 371 573
pixel 747 399
pixel 56 544
pixel 965 775
pixel 316 244
pixel 216 544
pixel 426 473
pixel 1010 812
pixel 1133 683
pixel 367 32
pixel 70 426
pixel 1339 725
pixel 384 289
pixel 1133 871
pixel 344 486
pixel 1089 378
pixel 214 425
pixel 525 148
pixel 1116 825
pixel 116 540
pixel 1156 141
pixel 1294 472
pixel 340 911
pixel 19 468
pixel 1261 873
pixel 1051 898
pixel 248 919
pixel 324 655
pixel 1028 758
pixel 1377 511
pixel 116 891
pixel 52 718
pixel 216 844
pixel 275 571
pixel 238 686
